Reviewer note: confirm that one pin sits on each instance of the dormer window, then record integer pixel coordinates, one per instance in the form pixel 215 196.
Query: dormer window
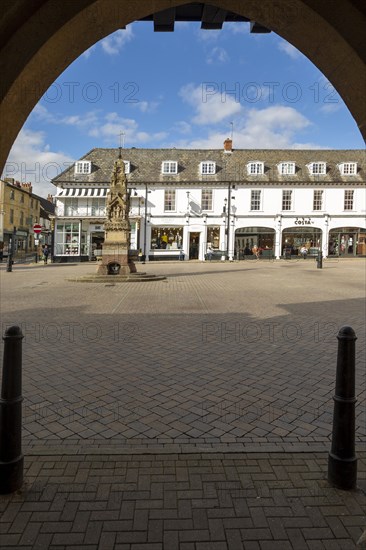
pixel 169 167
pixel 207 167
pixel 286 168
pixel 348 168
pixel 317 168
pixel 255 168
pixel 83 167
pixel 127 166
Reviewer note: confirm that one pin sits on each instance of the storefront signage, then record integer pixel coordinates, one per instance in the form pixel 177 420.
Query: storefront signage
pixel 303 221
pixel 96 228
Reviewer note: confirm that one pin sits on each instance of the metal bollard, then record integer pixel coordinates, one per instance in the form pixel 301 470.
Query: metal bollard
pixel 11 458
pixel 9 265
pixel 319 259
pixel 342 461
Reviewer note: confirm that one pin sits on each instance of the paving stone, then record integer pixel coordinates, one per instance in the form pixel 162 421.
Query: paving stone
pixel 201 439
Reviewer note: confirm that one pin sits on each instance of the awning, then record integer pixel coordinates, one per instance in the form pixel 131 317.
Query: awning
pixel 85 192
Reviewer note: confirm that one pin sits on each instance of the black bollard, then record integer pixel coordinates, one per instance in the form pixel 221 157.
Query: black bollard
pixel 11 458
pixel 9 265
pixel 319 259
pixel 342 461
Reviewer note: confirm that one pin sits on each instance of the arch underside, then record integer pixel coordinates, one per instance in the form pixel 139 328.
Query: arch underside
pixel 53 34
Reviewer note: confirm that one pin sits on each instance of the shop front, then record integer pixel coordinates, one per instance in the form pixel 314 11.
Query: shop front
pixel 249 238
pixel 347 241
pixel 295 238
pixel 166 242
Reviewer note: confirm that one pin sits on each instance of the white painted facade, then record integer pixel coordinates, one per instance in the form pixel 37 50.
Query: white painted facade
pixel 168 216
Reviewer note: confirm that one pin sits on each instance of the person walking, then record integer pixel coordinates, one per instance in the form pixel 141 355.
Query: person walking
pixel 45 254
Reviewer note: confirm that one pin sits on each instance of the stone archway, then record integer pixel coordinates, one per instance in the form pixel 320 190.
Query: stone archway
pixel 39 39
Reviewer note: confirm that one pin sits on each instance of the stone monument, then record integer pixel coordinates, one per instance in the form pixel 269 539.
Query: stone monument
pixel 114 259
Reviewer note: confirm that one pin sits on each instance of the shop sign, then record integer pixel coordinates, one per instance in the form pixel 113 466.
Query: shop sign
pixel 303 221
pixel 96 228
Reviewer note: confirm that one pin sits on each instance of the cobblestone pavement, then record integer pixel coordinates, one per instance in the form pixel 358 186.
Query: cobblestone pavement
pixel 157 413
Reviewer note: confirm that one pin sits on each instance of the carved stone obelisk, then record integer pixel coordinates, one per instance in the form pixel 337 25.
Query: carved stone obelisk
pixel 114 259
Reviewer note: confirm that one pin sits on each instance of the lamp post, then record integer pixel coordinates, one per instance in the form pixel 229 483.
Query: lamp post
pixel 9 267
pixel 145 223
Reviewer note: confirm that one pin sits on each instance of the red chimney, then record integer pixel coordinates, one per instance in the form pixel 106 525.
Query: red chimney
pixel 228 145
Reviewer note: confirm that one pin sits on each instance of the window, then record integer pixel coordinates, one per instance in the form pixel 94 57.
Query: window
pixel 206 199
pixel 255 200
pixel 166 238
pixel 286 168
pixel 255 168
pixel 11 216
pixel 317 168
pixel 286 200
pixel 22 198
pixel 68 239
pixel 169 167
pixel 318 200
pixel 348 168
pixel 98 207
pixel 83 167
pixel 348 200
pixel 169 200
pixel 207 167
pixel 127 166
pixel 12 194
pixel 71 207
pixel 22 218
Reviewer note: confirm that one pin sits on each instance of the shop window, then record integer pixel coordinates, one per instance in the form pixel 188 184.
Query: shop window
pixel 255 168
pixel 286 168
pixel 348 168
pixel 83 167
pixel 255 200
pixel 286 200
pixel 169 167
pixel 67 239
pixel 213 236
pixel 348 200
pixel 166 238
pixel 207 199
pixel 169 200
pixel 207 168
pixel 317 168
pixel 318 200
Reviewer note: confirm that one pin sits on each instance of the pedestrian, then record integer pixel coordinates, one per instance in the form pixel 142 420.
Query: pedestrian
pixel 209 252
pixel 45 254
pixel 304 252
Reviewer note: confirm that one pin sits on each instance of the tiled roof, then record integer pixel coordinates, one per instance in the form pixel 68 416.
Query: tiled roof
pixel 146 167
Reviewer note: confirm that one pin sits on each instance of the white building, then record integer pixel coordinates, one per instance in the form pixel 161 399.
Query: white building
pixel 233 200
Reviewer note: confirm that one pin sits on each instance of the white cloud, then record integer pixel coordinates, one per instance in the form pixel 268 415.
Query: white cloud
pixel 182 127
pixel 31 160
pixel 146 106
pixel 330 108
pixel 217 55
pixel 289 49
pixel 114 43
pixel 275 127
pixel 210 105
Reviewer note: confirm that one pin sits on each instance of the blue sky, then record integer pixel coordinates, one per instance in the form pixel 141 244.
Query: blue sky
pixel 191 88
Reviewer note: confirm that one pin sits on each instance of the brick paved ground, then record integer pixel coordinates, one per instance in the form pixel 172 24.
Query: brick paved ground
pixel 220 358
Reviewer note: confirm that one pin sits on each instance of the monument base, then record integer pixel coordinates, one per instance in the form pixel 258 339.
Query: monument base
pixel 110 263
